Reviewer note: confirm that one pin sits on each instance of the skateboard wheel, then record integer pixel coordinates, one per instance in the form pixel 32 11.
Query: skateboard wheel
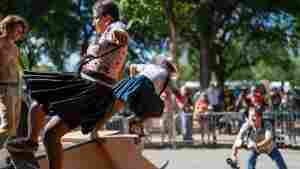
pixel 229 160
pixel 7 160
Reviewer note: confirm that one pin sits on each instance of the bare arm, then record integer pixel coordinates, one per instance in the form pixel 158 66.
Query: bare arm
pixel 117 106
pixel 238 141
pixel 133 70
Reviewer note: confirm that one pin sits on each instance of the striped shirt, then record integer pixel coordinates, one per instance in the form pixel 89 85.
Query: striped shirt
pixel 111 64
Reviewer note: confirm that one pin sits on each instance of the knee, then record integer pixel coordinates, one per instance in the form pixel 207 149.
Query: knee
pixel 35 107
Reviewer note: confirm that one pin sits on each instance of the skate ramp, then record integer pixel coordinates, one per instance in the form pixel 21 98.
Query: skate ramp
pixel 114 151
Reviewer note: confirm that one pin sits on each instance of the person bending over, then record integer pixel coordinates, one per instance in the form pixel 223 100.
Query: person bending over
pixel 258 135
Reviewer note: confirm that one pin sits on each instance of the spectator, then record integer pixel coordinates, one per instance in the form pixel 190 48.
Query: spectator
pixel 275 99
pixel 167 120
pixel 228 100
pixel 258 136
pixel 242 104
pixel 185 104
pixel 201 116
pixel 214 95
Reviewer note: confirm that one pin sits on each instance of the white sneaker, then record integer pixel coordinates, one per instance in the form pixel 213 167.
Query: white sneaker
pixel 4 124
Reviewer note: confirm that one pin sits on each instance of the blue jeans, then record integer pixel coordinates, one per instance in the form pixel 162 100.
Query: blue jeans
pixel 187 126
pixel 275 155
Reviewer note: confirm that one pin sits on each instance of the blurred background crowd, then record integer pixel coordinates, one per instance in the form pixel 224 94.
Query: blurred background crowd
pixel 215 115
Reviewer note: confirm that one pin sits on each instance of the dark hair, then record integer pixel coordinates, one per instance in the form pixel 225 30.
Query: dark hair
pixel 169 65
pixel 106 7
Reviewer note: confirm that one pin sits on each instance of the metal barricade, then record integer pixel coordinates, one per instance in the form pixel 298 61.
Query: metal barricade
pixel 223 127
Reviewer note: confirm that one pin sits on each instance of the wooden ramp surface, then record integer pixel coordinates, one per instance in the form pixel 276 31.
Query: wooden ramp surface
pixel 116 151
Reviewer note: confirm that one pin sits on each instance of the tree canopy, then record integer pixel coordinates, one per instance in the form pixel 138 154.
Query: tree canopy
pixel 233 39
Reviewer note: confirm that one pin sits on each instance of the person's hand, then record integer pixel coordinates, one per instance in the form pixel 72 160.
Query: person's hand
pixel 234 157
pixel 132 70
pixel 120 38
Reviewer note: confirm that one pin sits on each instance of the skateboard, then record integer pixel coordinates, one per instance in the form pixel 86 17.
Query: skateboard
pixel 232 164
pixel 22 160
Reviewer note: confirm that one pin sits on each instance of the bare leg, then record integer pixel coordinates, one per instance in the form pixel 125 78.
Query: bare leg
pixel 54 131
pixel 3 117
pixel 29 142
pixel 36 121
pixel 117 106
pixel 162 130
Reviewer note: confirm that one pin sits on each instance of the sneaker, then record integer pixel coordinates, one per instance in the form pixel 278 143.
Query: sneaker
pixel 3 125
pixel 21 145
pixel 233 163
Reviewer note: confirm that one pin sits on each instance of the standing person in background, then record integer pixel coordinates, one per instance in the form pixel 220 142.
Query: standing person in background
pixel 242 104
pixel 214 94
pixel 258 100
pixel 167 119
pixel 228 100
pixel 201 116
pixel 12 29
pixel 185 104
pixel 276 97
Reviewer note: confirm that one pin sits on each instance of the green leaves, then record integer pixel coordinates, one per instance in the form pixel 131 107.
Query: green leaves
pixel 146 19
pixel 54 21
pixel 251 37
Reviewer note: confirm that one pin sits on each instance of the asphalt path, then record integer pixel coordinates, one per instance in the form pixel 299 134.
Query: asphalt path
pixel 203 158
pixel 206 158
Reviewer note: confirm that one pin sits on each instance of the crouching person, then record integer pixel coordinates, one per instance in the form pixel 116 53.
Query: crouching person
pixel 258 136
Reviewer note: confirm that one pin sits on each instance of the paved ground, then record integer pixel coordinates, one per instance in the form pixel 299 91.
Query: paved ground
pixel 203 158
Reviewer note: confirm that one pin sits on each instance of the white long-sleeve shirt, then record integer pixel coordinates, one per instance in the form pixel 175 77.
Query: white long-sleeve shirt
pixel 156 73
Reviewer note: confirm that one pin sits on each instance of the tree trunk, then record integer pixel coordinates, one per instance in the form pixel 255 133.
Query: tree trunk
pixel 218 64
pixel 168 4
pixel 205 72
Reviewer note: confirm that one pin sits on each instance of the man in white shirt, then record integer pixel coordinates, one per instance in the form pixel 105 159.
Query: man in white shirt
pixel 258 135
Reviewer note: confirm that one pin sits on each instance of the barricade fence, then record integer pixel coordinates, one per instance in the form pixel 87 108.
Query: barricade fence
pixel 211 127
